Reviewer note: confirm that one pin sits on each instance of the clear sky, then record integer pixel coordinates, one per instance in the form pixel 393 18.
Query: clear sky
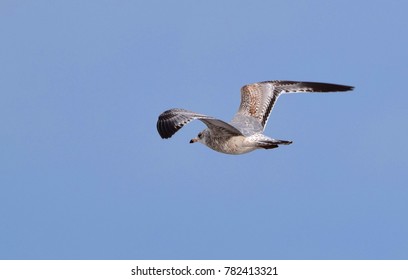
pixel 85 175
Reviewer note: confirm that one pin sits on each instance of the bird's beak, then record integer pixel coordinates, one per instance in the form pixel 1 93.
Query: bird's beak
pixel 193 140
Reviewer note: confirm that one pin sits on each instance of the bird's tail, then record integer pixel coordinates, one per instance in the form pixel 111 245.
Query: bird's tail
pixel 272 143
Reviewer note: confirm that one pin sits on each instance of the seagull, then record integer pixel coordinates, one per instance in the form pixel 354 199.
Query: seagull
pixel 244 133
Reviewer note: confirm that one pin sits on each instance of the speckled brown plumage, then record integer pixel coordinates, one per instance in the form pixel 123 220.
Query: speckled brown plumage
pixel 245 132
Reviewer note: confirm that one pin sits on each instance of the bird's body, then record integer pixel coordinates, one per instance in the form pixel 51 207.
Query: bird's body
pixel 245 132
pixel 227 144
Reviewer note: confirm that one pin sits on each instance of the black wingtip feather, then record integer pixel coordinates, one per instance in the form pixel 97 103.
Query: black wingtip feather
pixel 311 86
pixel 171 121
pixel 325 87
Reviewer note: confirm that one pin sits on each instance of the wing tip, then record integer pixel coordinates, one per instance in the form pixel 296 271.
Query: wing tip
pixel 345 88
pixel 172 120
pixel 315 85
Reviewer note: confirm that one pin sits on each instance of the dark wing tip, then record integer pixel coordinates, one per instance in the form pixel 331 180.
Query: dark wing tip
pixel 171 121
pixel 165 131
pixel 325 87
pixel 310 86
pixel 341 87
pixel 165 126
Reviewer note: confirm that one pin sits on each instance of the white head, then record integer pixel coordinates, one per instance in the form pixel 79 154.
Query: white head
pixel 201 137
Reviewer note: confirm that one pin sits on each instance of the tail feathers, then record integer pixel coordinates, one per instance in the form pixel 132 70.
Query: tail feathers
pixel 273 143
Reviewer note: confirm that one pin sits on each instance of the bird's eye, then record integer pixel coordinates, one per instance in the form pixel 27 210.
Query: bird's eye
pixel 200 135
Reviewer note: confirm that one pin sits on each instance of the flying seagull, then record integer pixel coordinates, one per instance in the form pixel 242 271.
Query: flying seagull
pixel 245 132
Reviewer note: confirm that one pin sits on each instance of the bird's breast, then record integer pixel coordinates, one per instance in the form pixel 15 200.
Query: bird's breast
pixel 234 145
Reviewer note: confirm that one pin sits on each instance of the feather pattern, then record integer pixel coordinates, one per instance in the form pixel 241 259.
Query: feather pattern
pixel 245 132
pixel 258 99
pixel 173 120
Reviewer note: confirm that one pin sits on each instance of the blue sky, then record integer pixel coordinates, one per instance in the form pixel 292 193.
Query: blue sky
pixel 85 175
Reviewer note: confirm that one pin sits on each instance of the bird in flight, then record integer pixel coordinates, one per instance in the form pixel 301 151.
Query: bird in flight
pixel 245 132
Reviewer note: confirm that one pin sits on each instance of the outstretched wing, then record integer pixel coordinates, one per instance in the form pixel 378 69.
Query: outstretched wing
pixel 258 99
pixel 172 120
